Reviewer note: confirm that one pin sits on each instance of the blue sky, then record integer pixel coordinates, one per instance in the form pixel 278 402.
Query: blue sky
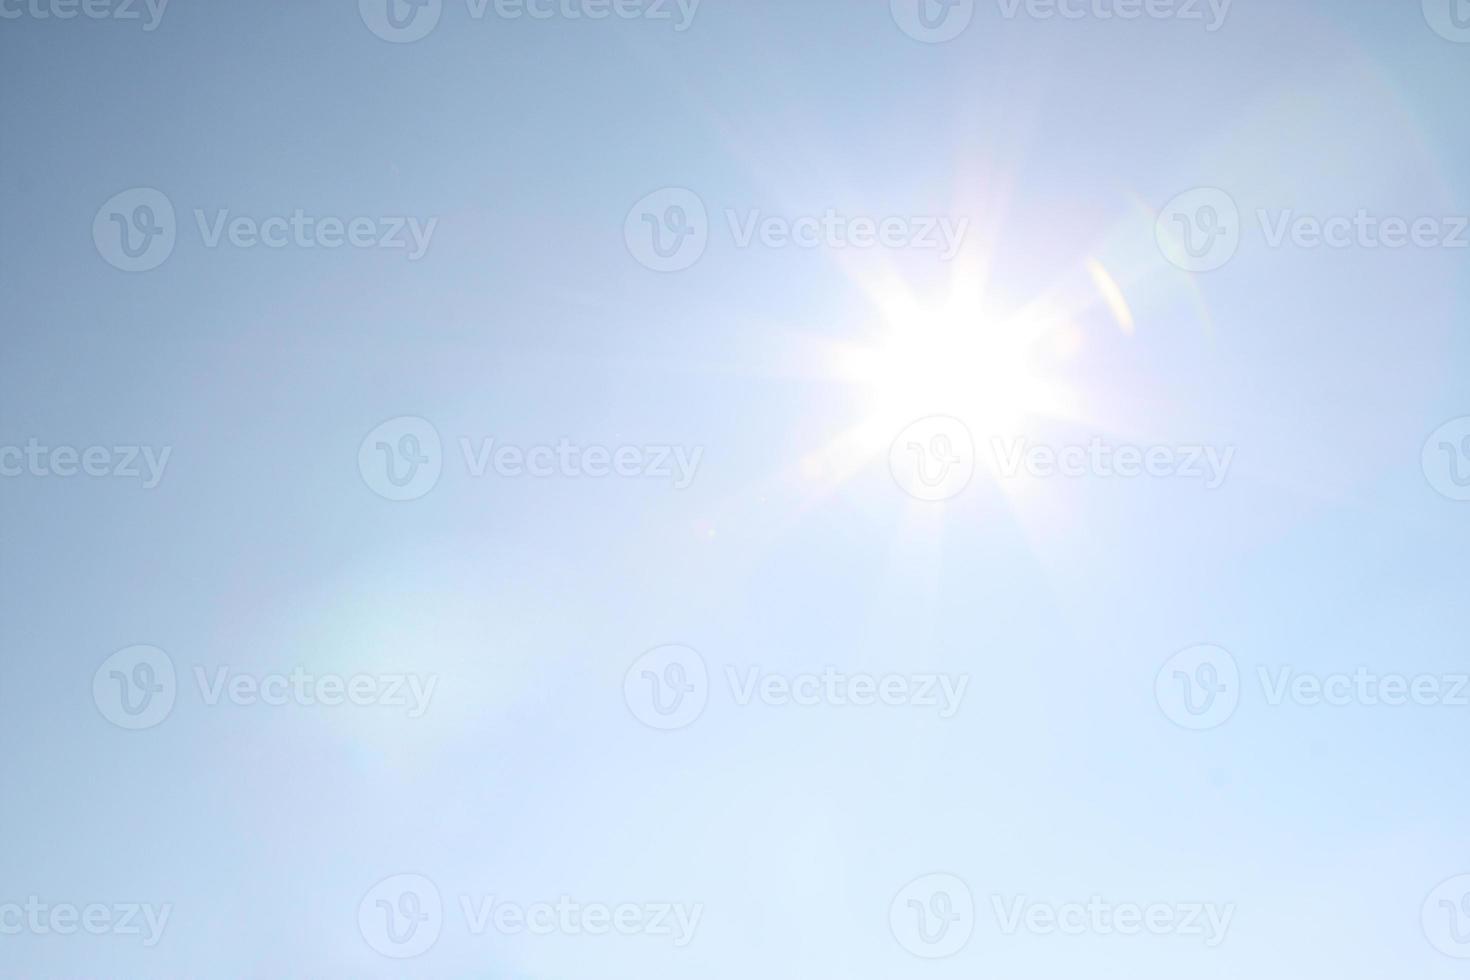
pixel 267 547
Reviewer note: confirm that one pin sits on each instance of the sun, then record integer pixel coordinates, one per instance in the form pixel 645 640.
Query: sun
pixel 950 359
pixel 978 373
pixel 1008 373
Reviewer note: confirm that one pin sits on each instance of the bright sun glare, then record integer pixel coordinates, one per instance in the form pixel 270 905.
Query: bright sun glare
pixel 1003 376
pixel 949 360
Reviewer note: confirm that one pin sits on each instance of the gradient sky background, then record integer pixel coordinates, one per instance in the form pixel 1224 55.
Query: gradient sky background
pixel 529 321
